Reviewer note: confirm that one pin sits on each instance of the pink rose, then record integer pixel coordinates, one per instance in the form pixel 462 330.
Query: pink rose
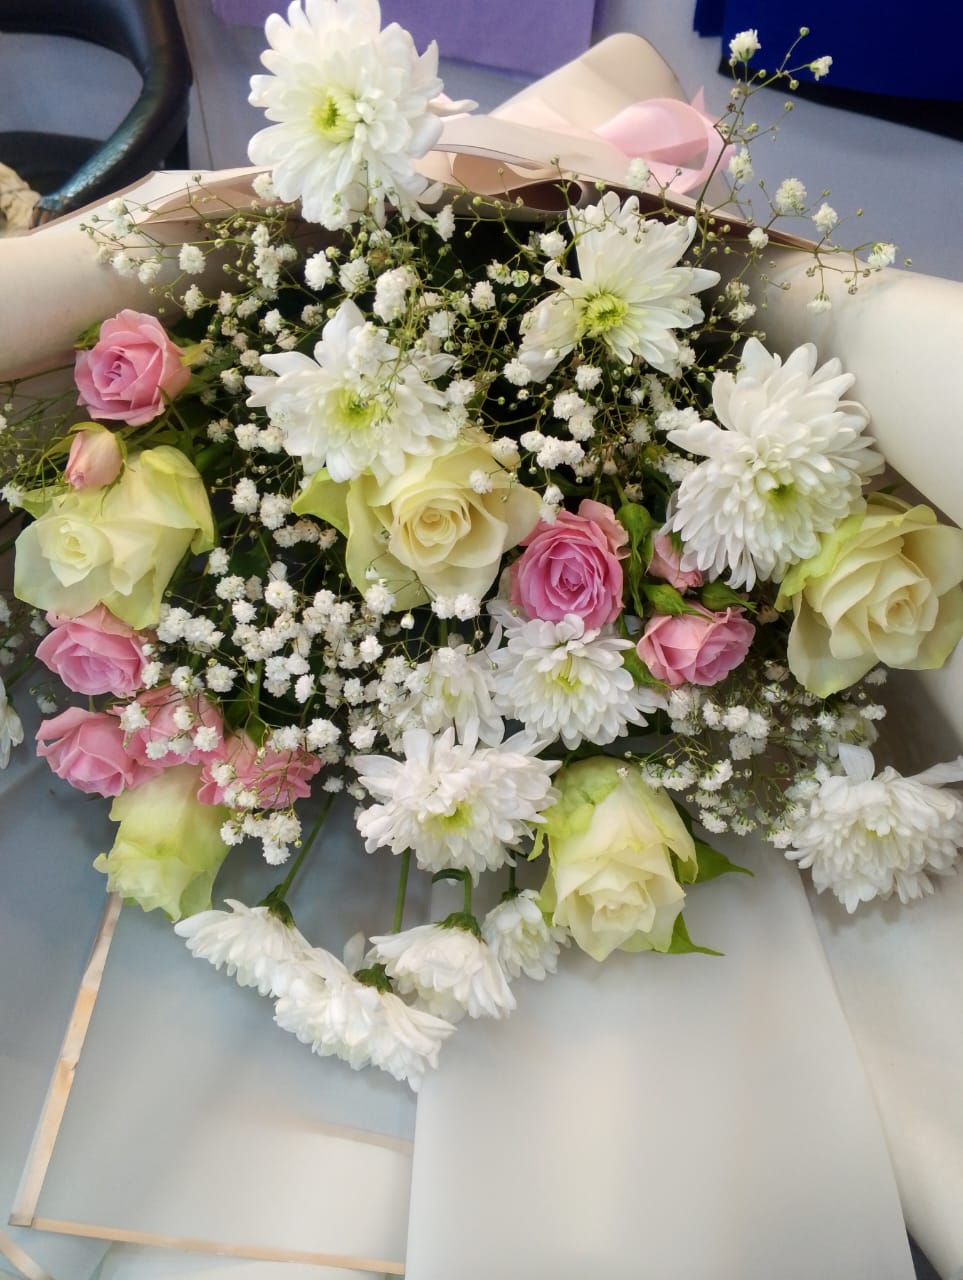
pixel 695 648
pixel 277 778
pixel 665 564
pixel 572 566
pixel 86 749
pixel 131 369
pixel 95 653
pixel 95 459
pixel 173 722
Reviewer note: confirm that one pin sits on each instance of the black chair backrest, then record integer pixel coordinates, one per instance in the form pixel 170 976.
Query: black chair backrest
pixel 146 33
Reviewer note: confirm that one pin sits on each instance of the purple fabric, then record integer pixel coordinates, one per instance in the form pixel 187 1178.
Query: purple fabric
pixel 532 36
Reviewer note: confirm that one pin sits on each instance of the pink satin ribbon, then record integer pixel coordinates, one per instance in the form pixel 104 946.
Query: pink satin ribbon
pixel 677 140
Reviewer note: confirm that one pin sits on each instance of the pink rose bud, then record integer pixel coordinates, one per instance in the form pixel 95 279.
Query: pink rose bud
pixel 95 459
pixel 95 653
pixel 175 725
pixel 665 564
pixel 86 749
pixel 277 778
pixel 697 648
pixel 572 566
pixel 130 371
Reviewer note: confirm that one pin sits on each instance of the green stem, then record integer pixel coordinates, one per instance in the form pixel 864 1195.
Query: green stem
pixel 285 884
pixel 402 890
pixel 467 899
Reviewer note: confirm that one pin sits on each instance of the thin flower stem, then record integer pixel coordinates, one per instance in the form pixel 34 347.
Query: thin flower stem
pixel 467 902
pixel 305 847
pixel 402 890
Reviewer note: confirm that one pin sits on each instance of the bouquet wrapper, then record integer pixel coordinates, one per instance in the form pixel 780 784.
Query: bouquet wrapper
pixel 898 970
pixel 682 1085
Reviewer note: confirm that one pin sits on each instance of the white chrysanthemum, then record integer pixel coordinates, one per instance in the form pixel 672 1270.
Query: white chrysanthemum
pixel 255 945
pixel 11 728
pixel 452 690
pixel 448 969
pixel 562 681
pixel 455 805
pixel 357 404
pixel 787 464
pixel 353 109
pixel 329 1009
pixel 869 837
pixel 629 293
pixel 520 939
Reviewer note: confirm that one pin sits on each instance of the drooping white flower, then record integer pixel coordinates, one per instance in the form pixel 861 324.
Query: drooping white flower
pixel 743 45
pixel 453 689
pixel 883 255
pixel 352 107
pixel 11 728
pixel 563 681
pixel 629 294
pixel 519 938
pixel 256 946
pixel 357 404
pixel 455 805
pixel 867 836
pixel 786 464
pixel 448 969
pixel 326 1007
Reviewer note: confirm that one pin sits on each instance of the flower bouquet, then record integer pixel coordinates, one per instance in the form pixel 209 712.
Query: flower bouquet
pixel 485 507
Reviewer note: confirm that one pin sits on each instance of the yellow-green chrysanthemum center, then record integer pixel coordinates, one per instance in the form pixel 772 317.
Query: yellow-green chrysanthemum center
pixel 356 412
pixel 602 312
pixel 335 116
pixel 461 818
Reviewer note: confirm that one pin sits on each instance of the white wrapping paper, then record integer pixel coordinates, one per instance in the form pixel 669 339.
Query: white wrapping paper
pixel 674 1116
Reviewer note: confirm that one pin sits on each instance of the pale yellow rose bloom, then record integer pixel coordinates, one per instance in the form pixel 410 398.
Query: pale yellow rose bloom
pixel 117 546
pixel 610 839
pixel 427 532
pixel 884 588
pixel 168 847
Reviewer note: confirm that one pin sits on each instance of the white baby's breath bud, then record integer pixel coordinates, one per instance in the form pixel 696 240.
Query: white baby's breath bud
pixel 551 243
pixel 317 271
pixel 445 222
pixel 638 173
pixel 820 67
pixel 882 255
pixel 758 239
pixel 740 167
pixel 743 45
pixel 354 275
pixel 825 218
pixel 505 451
pixel 790 196
pixel 483 296
pixel 124 264
pixel 191 259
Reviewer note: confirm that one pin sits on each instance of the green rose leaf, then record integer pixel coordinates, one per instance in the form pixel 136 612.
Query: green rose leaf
pixel 682 944
pixel 716 596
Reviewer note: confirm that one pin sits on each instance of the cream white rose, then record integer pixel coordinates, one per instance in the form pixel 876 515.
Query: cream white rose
pixel 883 588
pixel 116 546
pixel 610 839
pixel 428 531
